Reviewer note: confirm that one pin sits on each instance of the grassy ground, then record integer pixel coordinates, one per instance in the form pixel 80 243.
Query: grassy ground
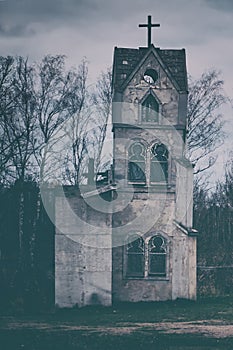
pixel 205 324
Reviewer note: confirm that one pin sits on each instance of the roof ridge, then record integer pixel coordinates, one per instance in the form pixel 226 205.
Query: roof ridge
pixel 127 59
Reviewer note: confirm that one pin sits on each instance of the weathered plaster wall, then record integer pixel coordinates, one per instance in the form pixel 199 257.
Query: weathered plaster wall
pixel 87 270
pixel 124 137
pixel 160 209
pixel 164 204
pixel 184 267
pixel 180 281
pixel 171 104
pixel 184 193
pixel 83 265
pixel 137 289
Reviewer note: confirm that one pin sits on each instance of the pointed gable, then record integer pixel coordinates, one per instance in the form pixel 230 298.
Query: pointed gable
pixel 126 62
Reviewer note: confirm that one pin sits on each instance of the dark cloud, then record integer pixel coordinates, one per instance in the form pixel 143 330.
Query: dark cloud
pixel 16 31
pixel 24 14
pixel 223 5
pixel 44 9
pixel 83 14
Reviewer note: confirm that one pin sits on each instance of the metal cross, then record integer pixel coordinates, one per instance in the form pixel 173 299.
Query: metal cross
pixel 149 25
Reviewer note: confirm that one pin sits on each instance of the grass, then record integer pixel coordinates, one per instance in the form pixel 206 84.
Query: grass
pixel 123 326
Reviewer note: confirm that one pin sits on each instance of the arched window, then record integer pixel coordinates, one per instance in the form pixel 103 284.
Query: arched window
pixel 150 109
pixel 157 256
pixel 150 76
pixel 159 164
pixel 136 164
pixel 135 250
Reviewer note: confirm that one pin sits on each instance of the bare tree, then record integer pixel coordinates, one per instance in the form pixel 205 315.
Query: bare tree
pixel 205 122
pixel 59 97
pixel 89 126
pixel 76 129
pixel 18 123
pixel 6 104
pixel 18 118
pixel 102 98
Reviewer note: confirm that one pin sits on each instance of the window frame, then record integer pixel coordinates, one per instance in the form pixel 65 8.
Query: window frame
pixel 146 274
pixel 129 241
pixel 166 176
pixel 148 165
pixel 151 254
pixel 129 160
pixel 145 110
pixel 140 109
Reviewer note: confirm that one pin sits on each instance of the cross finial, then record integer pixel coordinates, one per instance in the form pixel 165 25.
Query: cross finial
pixel 149 25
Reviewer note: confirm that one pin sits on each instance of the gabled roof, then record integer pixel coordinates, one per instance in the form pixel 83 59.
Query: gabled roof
pixel 174 60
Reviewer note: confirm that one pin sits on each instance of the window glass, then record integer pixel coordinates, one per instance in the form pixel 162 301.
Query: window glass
pixel 157 256
pixel 135 257
pixel 159 164
pixel 150 109
pixel 136 165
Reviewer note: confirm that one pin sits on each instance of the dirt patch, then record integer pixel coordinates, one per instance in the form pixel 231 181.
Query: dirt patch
pixel 213 329
pixel 210 328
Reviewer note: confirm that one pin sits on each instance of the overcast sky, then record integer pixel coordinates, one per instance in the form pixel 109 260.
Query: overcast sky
pixel 92 28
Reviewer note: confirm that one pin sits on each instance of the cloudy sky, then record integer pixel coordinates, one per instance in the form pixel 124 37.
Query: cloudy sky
pixel 92 28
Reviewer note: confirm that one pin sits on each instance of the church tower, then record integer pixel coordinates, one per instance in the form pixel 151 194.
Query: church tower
pixel 154 245
pixel 131 239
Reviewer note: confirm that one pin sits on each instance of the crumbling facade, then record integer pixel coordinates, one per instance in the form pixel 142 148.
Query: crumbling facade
pixel 132 239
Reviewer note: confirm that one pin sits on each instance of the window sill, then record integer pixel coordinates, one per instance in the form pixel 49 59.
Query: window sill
pixel 151 184
pixel 151 188
pixel 150 123
pixel 148 278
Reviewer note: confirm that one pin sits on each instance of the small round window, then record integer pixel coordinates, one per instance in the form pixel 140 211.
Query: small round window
pixel 150 76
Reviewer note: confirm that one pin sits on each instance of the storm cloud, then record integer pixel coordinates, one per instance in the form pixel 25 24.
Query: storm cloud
pixel 26 17
pixel 222 5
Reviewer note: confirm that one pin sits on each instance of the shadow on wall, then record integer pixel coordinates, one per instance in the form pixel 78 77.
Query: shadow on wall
pixel 95 299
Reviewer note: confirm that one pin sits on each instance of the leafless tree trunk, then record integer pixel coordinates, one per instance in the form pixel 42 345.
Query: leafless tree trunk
pixel 102 98
pixel 205 122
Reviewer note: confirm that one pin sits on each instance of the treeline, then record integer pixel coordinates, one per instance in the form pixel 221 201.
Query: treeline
pixel 213 217
pixel 26 249
pixel 42 105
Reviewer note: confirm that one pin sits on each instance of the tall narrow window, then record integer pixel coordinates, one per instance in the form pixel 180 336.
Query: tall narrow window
pixel 136 165
pixel 150 109
pixel 159 164
pixel 157 256
pixel 135 257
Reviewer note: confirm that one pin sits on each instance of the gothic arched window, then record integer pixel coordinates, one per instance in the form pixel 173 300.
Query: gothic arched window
pixel 159 164
pixel 157 256
pixel 137 163
pixel 150 109
pixel 135 251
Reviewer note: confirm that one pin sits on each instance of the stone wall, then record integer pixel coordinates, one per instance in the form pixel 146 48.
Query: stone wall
pixel 83 255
